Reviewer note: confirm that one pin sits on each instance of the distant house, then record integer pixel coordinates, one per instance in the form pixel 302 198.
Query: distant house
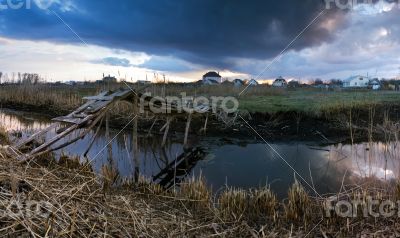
pixel 70 83
pixel 212 77
pixel 109 79
pixel 374 84
pixel 280 83
pixel 294 84
pixel 238 82
pixel 356 82
pixel 144 82
pixel 252 82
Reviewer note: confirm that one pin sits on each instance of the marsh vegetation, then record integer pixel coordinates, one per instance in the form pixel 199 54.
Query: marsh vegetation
pixel 100 199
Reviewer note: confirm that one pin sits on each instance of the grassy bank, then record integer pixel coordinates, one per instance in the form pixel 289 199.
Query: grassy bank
pixel 261 99
pixel 314 101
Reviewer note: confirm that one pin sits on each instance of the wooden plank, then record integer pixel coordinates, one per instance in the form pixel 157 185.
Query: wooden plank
pixel 54 140
pixel 71 120
pixel 93 139
pixel 97 106
pixel 81 136
pixel 99 98
pixel 36 135
pixel 58 137
pixel 94 98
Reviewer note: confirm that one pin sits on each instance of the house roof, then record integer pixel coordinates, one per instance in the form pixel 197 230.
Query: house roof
pixel 252 82
pixel 354 77
pixel 212 74
pixel 280 79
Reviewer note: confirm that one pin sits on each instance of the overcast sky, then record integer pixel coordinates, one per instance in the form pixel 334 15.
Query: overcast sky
pixel 82 39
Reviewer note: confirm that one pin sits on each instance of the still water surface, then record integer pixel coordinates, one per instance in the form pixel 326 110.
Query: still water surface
pixel 235 163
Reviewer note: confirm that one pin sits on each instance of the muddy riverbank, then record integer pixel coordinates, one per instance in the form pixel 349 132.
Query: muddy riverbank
pixel 334 126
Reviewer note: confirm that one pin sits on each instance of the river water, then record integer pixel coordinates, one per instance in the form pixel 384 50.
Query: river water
pixel 236 163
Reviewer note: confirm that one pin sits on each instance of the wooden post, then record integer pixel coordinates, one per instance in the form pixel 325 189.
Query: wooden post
pixel 166 132
pixel 205 125
pixel 187 129
pixel 151 128
pixel 109 146
pixel 135 148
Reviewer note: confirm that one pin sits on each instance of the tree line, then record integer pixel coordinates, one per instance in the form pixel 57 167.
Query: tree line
pixel 20 78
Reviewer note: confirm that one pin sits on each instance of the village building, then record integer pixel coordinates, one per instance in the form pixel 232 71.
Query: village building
pixel 143 82
pixel 252 82
pixel 374 84
pixel 238 83
pixel 109 79
pixel 356 82
pixel 294 84
pixel 280 83
pixel 212 78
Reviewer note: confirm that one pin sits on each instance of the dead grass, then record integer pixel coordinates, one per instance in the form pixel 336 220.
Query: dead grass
pixel 299 204
pixel 196 193
pixel 4 139
pixel 263 203
pixel 233 204
pixel 49 198
pixel 262 99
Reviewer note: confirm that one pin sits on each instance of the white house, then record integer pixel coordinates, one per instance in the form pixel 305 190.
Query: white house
pixel 252 82
pixel 212 77
pixel 356 82
pixel 280 83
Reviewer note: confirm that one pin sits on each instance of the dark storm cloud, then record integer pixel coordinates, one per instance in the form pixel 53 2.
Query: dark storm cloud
pixel 206 32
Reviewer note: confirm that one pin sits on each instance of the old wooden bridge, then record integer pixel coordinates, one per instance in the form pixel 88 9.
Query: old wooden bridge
pixel 96 109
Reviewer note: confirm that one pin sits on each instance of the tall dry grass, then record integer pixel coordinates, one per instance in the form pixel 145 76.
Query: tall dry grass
pixel 4 139
pixel 79 205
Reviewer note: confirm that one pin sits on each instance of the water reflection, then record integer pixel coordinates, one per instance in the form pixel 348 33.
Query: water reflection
pixel 242 164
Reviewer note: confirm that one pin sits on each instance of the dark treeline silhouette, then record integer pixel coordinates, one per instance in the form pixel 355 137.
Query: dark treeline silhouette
pixel 20 78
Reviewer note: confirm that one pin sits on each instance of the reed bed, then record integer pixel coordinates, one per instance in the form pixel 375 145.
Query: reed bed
pixel 58 99
pixel 40 96
pixel 72 201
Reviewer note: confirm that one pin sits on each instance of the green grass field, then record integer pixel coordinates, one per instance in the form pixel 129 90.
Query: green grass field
pixel 261 99
pixel 310 101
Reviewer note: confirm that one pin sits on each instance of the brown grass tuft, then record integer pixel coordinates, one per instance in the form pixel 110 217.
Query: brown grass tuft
pixel 233 204
pixel 4 139
pixel 299 204
pixel 196 193
pixel 263 203
pixel 110 176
